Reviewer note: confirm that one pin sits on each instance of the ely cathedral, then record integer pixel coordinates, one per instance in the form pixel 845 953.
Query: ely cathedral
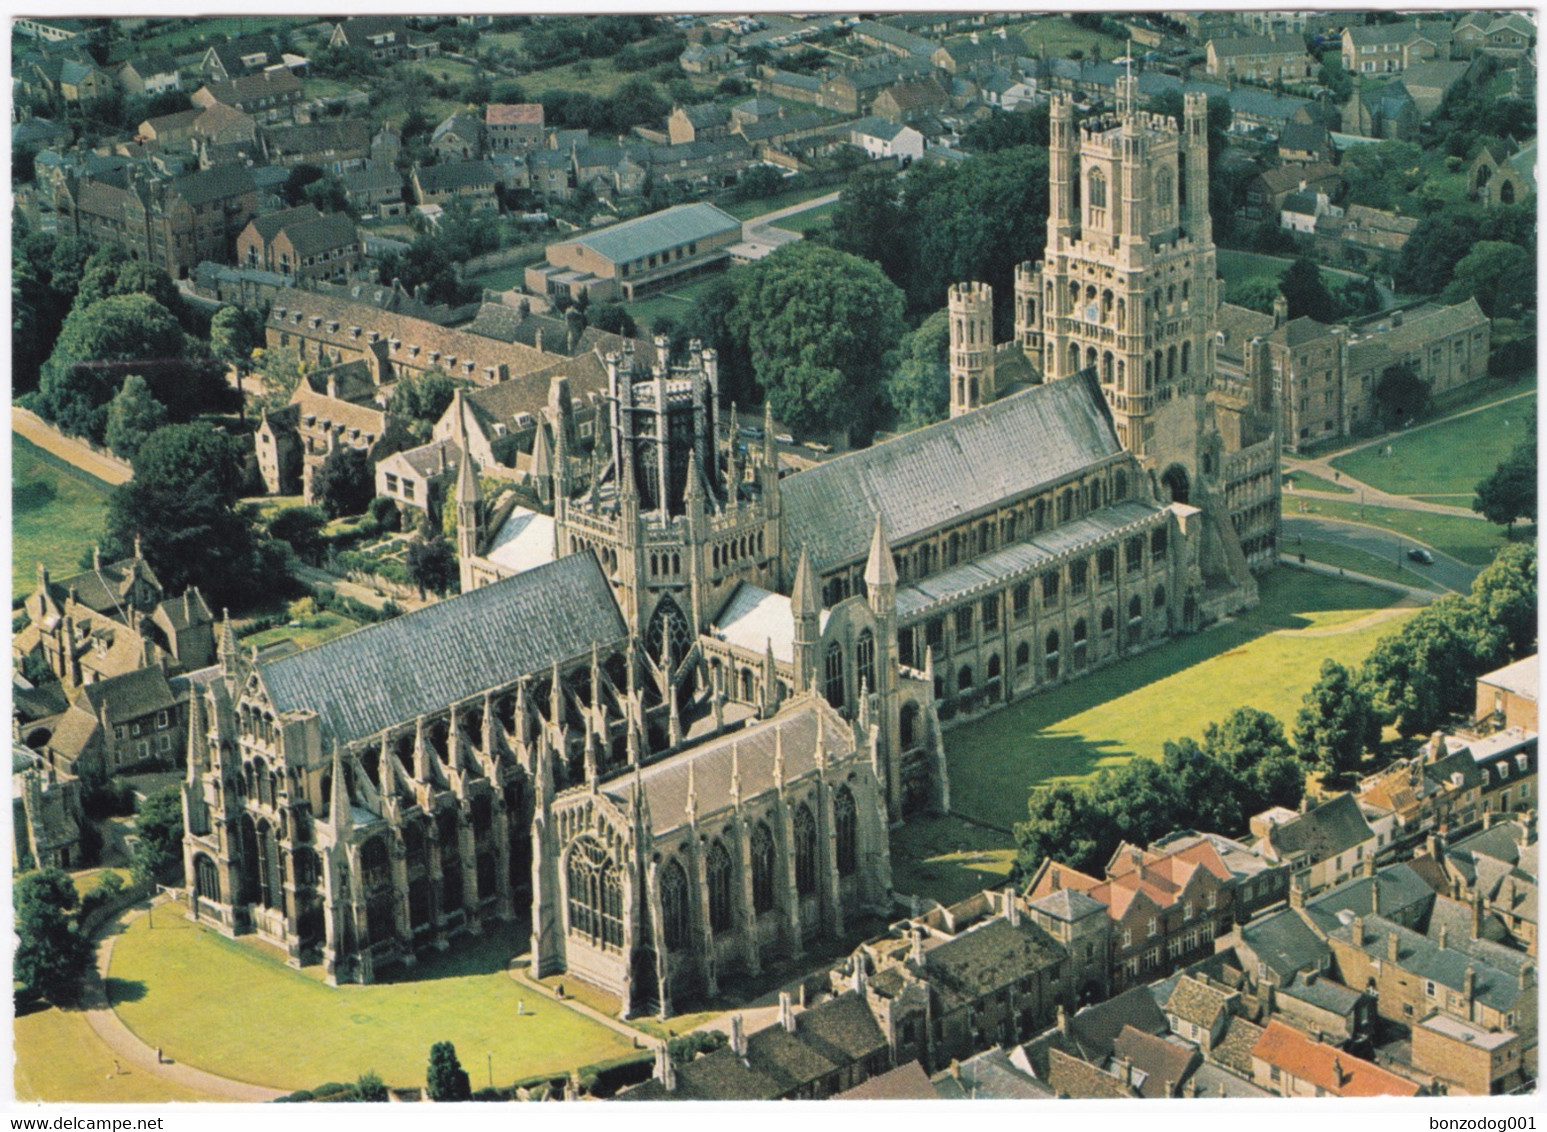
pixel 679 704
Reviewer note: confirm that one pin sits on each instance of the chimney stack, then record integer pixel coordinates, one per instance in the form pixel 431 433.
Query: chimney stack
pixel 1393 946
pixel 1012 907
pixel 1358 930
pixel 1444 936
pixel 786 1012
pixel 738 1036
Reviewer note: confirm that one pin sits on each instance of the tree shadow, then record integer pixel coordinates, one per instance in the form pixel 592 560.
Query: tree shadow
pixel 119 991
pixel 467 956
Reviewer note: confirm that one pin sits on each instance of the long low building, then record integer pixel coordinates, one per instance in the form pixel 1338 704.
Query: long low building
pixel 628 259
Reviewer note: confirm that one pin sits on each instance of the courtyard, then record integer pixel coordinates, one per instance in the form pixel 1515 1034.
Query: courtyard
pixel 172 983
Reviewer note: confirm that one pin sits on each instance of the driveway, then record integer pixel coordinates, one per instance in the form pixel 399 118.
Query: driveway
pixel 1449 572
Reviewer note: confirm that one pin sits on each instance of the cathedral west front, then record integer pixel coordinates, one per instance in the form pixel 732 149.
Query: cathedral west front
pixel 680 702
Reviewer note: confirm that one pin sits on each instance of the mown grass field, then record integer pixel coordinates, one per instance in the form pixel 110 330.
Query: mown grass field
pixel 56 514
pixel 1266 658
pixel 804 222
pixel 289 1030
pixel 1304 481
pixel 674 302
pixel 1446 458
pixel 747 209
pixel 59 1058
pixel 1059 35
pixel 312 631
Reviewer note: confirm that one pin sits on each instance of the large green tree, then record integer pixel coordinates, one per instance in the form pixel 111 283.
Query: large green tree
pixel 446 1080
pixel 1308 297
pixel 51 954
pixel 1509 493
pixel 1337 722
pixel 818 323
pixel 110 271
pixel 158 848
pixel 919 386
pixel 1499 275
pixel 1505 592
pixel 1427 670
pixel 342 484
pixel 420 402
pixel 234 334
pixel 132 415
pixel 868 220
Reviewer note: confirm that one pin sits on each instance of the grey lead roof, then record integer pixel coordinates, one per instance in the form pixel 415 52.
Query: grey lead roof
pixel 387 674
pixel 948 471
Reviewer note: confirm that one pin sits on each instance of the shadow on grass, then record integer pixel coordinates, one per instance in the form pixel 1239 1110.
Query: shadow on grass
pixel 468 956
pixel 949 858
pixel 120 991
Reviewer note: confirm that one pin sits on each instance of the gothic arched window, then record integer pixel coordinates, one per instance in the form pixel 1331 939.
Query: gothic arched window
pixel 805 851
pixel 909 725
pixel 763 860
pixel 845 819
pixel 1050 653
pixel 206 879
pixel 1098 189
pixel 834 674
pixel 676 920
pixel 595 894
pixel 865 660
pixel 668 622
pixel 720 872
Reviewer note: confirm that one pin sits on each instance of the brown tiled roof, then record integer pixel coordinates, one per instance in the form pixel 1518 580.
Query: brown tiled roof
pixel 129 696
pixel 1338 1072
pixel 1080 1080
pixel 339 412
pixel 1165 1064
pixel 1195 1001
pixel 514 114
pixel 905 1083
pixel 1234 1050
pixel 247 88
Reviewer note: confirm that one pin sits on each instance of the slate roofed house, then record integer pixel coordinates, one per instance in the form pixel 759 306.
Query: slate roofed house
pixel 40 133
pixel 244 55
pixel 1388 49
pixel 470 181
pixel 513 127
pixel 906 101
pixel 1294 1065
pixel 881 138
pixel 893 40
pixel 460 136
pixel 1153 1066
pixel 152 73
pixel 334 145
pixel 705 58
pixel 418 477
pixel 301 243
pixel 702 121
pixel 1327 843
pixel 1264 59
pixel 1304 143
pixel 384 37
pixel 270 96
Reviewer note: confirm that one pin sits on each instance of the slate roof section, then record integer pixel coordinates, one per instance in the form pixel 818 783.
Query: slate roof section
pixel 386 674
pixel 1068 904
pixel 648 235
pixel 220 183
pixel 945 472
pixel 1080 1080
pixel 132 695
pixel 1095 1028
pixel 1195 1001
pixel 751 751
pixel 1285 944
pixel 1324 993
pixel 1397 891
pixel 990 1076
pixel 987 958
pixel 1331 828
pixel 455 175
pixel 1234 1050
pixel 1164 1065
pixel 1496 969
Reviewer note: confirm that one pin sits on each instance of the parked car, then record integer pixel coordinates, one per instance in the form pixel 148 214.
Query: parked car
pixel 1421 556
pixel 784 438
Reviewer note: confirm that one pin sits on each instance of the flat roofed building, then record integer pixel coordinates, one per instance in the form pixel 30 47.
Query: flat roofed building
pixel 640 255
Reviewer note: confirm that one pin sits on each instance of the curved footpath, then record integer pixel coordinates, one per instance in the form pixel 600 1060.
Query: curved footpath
pixel 129 1049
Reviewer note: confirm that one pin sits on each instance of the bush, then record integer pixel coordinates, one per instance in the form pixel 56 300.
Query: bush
pixel 1510 359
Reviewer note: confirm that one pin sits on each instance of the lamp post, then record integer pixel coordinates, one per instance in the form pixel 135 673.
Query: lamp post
pixel 491 1068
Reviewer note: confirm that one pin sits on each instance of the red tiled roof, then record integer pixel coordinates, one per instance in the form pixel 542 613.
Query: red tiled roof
pixel 1338 1072
pixel 514 114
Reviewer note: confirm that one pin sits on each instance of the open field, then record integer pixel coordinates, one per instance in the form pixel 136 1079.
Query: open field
pixel 60 1058
pixel 804 222
pixel 56 514
pixel 178 34
pixel 1059 35
pixel 1474 541
pixel 747 209
pixel 1236 267
pixel 442 69
pixel 1266 658
pixel 948 858
pixel 674 302
pixel 599 77
pixel 312 631
pixel 1449 457
pixel 168 986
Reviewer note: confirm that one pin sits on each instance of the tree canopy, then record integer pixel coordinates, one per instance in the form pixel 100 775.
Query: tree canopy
pixel 1308 297
pixel 342 485
pixel 52 954
pixel 1509 493
pixel 158 827
pixel 918 389
pixel 1500 276
pixel 446 1080
pixel 1427 670
pixel 132 415
pixel 1337 723
pixel 1505 592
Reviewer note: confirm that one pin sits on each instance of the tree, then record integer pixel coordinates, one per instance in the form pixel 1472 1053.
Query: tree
pixel 710 320
pixel 1500 276
pixel 235 335
pixel 758 181
pixel 1308 297
pixel 280 370
pixel 111 272
pixel 1381 175
pixel 613 318
pixel 1337 723
pixel 301 528
pixel 867 221
pixel 446 1079
pixel 1400 394
pixel 182 502
pixel 1256 294
pixel 919 386
pixel 1431 253
pixel 420 402
pixel 76 386
pixel 52 955
pixel 132 415
pixel 431 565
pixel 1002 129
pixel 817 323
pixel 158 852
pixel 1245 738
pixel 369 1087
pixel 342 485
pixel 1505 592
pixel 1065 823
pixel 1510 491
pixel 1427 670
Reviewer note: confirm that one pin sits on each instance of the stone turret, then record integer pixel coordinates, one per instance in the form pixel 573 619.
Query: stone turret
pixel 806 606
pixel 971 310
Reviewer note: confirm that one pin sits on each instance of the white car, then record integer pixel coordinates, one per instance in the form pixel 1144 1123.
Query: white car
pixel 784 438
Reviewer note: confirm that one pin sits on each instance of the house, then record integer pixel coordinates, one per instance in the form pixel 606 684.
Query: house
pixel 49 30
pixel 269 96
pixel 1362 237
pixel 301 243
pixel 704 121
pixel 1305 143
pixel 513 127
pixel 1508 35
pixel 970 53
pixel 326 421
pixel 40 133
pixel 1266 192
pixel 47 815
pixel 1289 1063
pixel 72 80
pixel 705 58
pixel 123 722
pixel 418 477
pixel 638 255
pixel 790 85
pixel 1428 83
pixel 1506 697
pixel 851 93
pixel 1324 844
pixel 459 137
pixel 334 145
pixel 472 182
pixel 1470 1060
pixel 376 187
pixel 245 55
pixel 1276 948
pixel 1263 59
pixel 1003 91
pixel 1389 49
pixel 892 40
pixel 881 138
pixel 1447 346
pixel 1301 209
pixel 907 101
pixel 1494 874
pixel 1322 1006
pixel 1389 113
pixel 152 73
pixel 384 37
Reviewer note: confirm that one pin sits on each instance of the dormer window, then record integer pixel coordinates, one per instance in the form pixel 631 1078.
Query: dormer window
pixel 316 322
pixel 354 332
pixel 333 326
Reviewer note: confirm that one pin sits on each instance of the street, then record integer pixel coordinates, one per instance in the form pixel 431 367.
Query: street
pixel 1447 571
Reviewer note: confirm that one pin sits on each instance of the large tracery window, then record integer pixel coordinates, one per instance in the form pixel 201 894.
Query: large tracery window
pixel 763 857
pixel 865 660
pixel 595 894
pixel 721 873
pixel 1098 189
pixel 844 821
pixel 674 906
pixel 834 674
pixel 805 851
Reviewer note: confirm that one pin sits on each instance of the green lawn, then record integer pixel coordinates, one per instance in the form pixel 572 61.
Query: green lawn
pixel 60 1059
pixel 177 34
pixel 441 69
pixel 57 512
pixel 673 302
pixel 1472 447
pixel 1360 562
pixel 1471 540
pixel 1237 267
pixel 948 858
pixel 500 279
pixel 173 987
pixel 312 631
pixel 588 76
pixel 804 222
pixel 1267 658
pixel 1304 481
pixel 1059 35
pixel 747 209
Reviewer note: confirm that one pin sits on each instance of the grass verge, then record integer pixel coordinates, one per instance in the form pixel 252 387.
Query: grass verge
pixel 56 513
pixel 1472 447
